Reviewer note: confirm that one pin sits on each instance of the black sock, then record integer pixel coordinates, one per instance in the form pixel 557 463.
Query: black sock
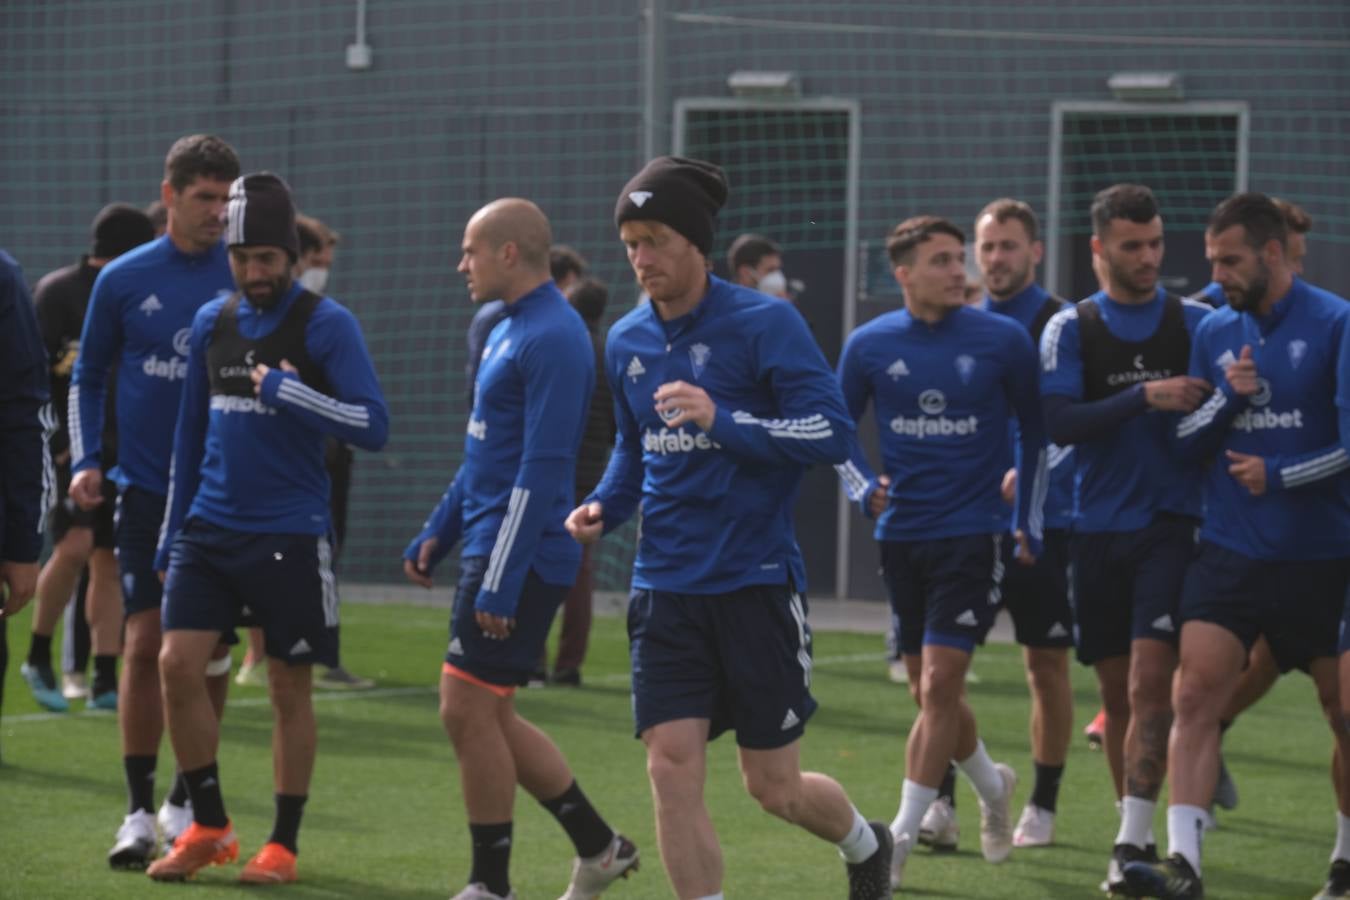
pixel 947 790
pixel 105 674
pixel 178 795
pixel 40 650
pixel 588 831
pixel 208 806
pixel 491 857
pixel 1046 792
pixel 140 782
pixel 286 827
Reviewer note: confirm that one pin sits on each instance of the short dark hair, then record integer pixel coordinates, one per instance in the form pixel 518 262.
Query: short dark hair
pixel 748 250
pixel 906 237
pixel 1296 218
pixel 200 156
pixel 1123 201
pixel 1006 208
pixel 564 261
pixel 1258 215
pixel 158 213
pixel 588 297
pixel 310 239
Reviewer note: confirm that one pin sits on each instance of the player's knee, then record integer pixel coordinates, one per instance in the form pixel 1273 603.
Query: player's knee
pixel 178 669
pixel 776 796
pixel 672 773
pixel 1194 702
pixel 141 654
pixel 1047 669
pixel 942 686
pixel 1150 689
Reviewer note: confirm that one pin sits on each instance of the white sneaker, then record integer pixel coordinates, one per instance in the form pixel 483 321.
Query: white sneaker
pixel 479 891
pixel 996 819
pixel 899 855
pixel 1036 828
pixel 897 671
pixel 591 876
pixel 173 820
pixel 251 674
pixel 134 847
pixel 939 828
pixel 74 686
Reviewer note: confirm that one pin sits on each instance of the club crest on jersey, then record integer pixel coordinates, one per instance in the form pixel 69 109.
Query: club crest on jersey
pixel 896 369
pixel 933 402
pixel 182 341
pixel 635 369
pixel 1298 349
pixel 699 354
pixel 965 367
pixel 639 198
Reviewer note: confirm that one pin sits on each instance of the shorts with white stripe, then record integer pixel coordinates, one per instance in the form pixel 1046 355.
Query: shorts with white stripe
pixel 741 660
pixel 944 591
pixel 280 582
pixel 509 662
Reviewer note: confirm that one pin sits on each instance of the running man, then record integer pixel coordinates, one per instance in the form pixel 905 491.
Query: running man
pixel 722 399
pixel 946 381
pixel 1112 374
pixel 1274 555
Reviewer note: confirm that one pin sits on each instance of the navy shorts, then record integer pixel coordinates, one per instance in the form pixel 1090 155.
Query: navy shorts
pixel 944 591
pixel 741 660
pixel 282 582
pixel 1295 604
pixel 1037 596
pixel 67 514
pixel 502 663
pixel 1127 585
pixel 139 516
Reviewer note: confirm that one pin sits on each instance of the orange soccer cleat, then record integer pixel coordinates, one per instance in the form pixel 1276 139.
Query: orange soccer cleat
pixel 1096 730
pixel 195 849
pixel 273 864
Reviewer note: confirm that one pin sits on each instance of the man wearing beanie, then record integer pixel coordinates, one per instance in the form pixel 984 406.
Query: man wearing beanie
pixel 79 537
pixel 720 392
pixel 272 369
pixel 139 318
pixel 507 503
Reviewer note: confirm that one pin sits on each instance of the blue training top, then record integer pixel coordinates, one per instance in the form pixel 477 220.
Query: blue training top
pixel 256 465
pixel 944 396
pixel 717 505
pixel 515 487
pixel 1291 422
pixel 1127 472
pixel 1023 307
pixel 140 316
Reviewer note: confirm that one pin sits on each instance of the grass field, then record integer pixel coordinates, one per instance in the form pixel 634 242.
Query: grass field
pixel 385 820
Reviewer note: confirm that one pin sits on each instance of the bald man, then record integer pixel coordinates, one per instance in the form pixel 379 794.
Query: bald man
pixel 507 504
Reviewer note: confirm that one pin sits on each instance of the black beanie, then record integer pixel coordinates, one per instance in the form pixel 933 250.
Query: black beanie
pixel 260 213
pixel 682 193
pixel 119 227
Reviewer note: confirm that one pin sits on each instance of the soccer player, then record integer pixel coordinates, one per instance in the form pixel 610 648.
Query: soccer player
pixel 271 371
pixel 79 537
pixel 722 399
pixel 757 263
pixel 1298 223
pixel 507 503
pixel 139 319
pixel 1112 374
pixel 1007 250
pixel 1273 557
pixel 27 482
pixel 945 381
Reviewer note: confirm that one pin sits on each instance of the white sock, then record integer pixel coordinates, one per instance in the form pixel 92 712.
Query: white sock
pixel 1342 848
pixel 979 768
pixel 1136 821
pixel 914 802
pixel 716 896
pixel 861 841
pixel 1185 826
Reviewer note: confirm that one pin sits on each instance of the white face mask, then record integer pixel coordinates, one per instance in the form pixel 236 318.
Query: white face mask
pixel 314 279
pixel 774 284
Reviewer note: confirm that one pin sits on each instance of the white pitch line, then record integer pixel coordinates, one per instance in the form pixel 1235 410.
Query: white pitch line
pixel 375 694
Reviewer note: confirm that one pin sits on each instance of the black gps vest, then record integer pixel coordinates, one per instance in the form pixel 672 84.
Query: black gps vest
pixel 1112 365
pixel 1043 316
pixel 231 356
